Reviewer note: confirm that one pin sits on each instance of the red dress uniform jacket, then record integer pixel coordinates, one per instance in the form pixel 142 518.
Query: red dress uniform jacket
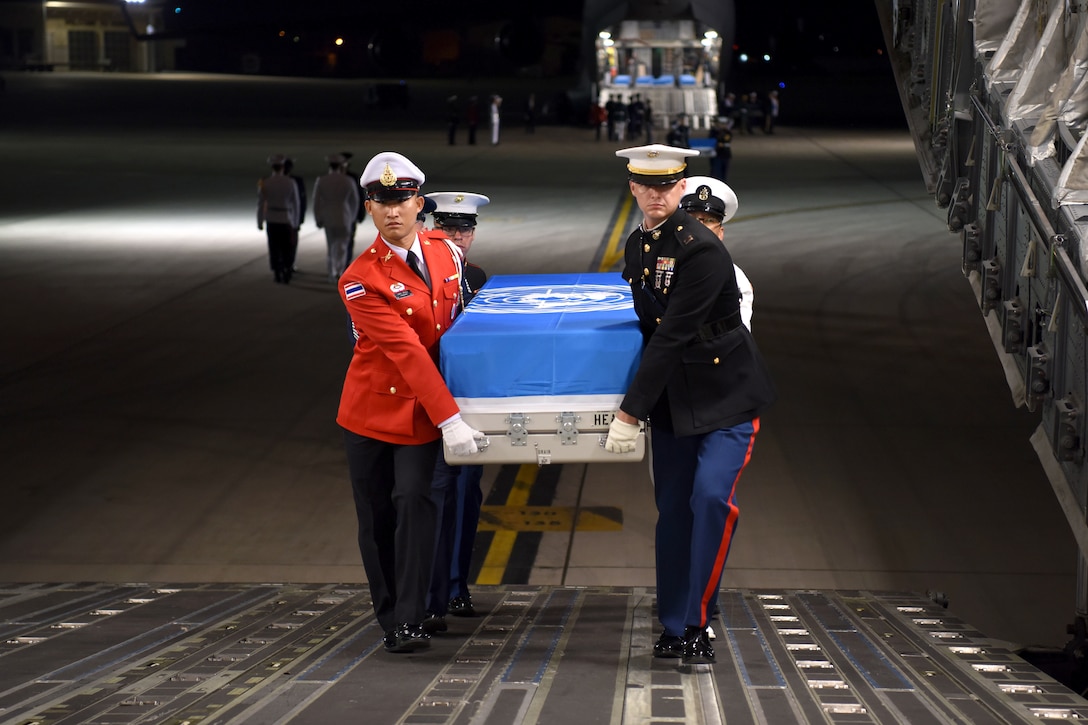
pixel 393 390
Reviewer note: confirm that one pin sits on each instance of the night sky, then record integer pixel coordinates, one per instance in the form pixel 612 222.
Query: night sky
pixel 822 53
pixel 793 29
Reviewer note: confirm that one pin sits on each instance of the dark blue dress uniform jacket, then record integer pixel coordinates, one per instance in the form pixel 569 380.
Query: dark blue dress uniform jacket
pixel 700 369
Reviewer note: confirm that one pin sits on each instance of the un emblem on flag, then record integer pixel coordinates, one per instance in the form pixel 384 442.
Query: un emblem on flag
pixel 548 299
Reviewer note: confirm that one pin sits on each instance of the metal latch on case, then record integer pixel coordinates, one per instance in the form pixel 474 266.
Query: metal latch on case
pixel 518 432
pixel 568 428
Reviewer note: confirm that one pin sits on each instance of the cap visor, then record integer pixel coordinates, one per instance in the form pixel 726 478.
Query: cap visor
pixel 382 194
pixel 694 203
pixel 454 220
pixel 655 179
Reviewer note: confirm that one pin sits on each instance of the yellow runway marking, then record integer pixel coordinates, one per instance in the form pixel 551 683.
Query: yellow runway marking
pixel 613 251
pixel 556 519
pixel 502 544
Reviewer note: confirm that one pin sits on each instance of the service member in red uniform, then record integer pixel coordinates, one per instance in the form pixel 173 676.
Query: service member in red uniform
pixel 402 294
pixel 702 385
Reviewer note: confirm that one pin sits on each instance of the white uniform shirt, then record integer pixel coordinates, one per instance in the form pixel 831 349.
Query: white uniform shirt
pixel 336 200
pixel 277 201
pixel 747 297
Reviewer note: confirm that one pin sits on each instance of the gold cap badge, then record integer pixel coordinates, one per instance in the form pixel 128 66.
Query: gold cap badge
pixel 704 193
pixel 388 178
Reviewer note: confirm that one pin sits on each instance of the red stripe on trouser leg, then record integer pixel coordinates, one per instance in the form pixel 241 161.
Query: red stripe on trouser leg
pixel 727 534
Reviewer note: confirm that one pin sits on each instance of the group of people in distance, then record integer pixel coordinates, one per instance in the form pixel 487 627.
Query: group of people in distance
pixel 337 209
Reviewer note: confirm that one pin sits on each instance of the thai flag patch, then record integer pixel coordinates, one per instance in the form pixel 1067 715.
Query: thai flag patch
pixel 353 290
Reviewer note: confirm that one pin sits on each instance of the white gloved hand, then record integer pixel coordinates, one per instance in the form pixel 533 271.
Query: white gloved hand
pixel 621 436
pixel 460 437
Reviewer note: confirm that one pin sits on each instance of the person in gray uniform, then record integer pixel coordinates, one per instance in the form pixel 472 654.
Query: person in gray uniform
pixel 278 211
pixel 336 204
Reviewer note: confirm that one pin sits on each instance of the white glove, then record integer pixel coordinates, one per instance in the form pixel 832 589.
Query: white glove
pixel 621 436
pixel 460 437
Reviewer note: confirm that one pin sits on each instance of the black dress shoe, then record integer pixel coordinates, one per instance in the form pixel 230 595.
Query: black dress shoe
pixel 697 649
pixel 434 623
pixel 462 606
pixel 406 638
pixel 669 646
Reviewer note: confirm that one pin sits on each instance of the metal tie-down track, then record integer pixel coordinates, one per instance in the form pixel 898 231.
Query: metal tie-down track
pixel 277 653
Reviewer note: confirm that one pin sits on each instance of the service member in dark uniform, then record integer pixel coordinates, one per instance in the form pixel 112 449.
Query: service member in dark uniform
pixel 722 133
pixel 402 294
pixel 456 489
pixel 713 203
pixel 455 215
pixel 701 383
pixel 288 168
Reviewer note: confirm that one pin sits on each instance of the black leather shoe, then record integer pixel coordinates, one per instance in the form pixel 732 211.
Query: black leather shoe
pixel 669 646
pixel 697 649
pixel 406 638
pixel 434 623
pixel 462 606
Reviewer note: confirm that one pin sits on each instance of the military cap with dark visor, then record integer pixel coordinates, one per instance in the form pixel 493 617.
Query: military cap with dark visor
pixel 395 189
pixel 656 164
pixel 710 196
pixel 457 208
pixel 389 176
pixel 703 200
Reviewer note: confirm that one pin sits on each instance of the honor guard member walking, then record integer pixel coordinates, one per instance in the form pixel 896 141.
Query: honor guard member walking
pixel 348 156
pixel 402 293
pixel 701 383
pixel 713 203
pixel 496 103
pixel 456 489
pixel 336 204
pixel 278 208
pixel 288 168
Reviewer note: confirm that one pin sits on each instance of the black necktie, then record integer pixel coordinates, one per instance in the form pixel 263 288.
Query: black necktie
pixel 413 262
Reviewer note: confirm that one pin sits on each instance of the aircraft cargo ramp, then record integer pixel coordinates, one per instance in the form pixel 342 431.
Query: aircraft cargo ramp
pixel 267 653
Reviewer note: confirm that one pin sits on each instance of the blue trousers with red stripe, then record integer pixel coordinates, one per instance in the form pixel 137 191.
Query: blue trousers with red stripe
pixel 695 487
